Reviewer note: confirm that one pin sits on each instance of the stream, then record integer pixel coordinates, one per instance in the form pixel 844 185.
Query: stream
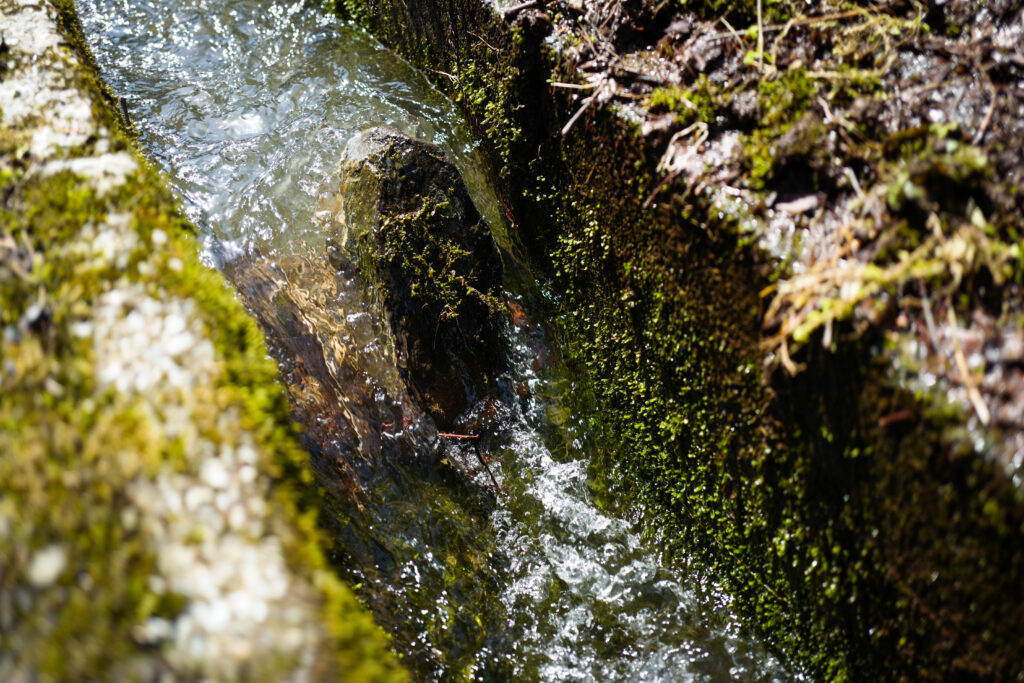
pixel 247 106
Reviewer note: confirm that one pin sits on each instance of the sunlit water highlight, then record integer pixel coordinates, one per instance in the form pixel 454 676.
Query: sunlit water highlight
pixel 247 105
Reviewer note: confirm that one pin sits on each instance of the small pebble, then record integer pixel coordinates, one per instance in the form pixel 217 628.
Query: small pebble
pixel 46 566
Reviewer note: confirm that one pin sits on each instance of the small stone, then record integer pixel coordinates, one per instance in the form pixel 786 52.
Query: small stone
pixel 223 501
pixel 46 566
pixel 213 616
pixel 215 474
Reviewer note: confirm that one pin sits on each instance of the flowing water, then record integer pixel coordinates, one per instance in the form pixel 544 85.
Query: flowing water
pixel 247 105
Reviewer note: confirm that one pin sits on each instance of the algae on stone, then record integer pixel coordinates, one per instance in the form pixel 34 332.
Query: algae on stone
pixel 404 215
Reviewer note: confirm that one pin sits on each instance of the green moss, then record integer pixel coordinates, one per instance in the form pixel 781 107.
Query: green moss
pixel 781 102
pixel 105 104
pixel 742 12
pixel 783 505
pixel 354 10
pixel 699 102
pixel 56 423
pixel 481 73
pixel 430 263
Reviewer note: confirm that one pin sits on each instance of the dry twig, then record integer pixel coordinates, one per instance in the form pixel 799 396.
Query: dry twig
pixel 961 364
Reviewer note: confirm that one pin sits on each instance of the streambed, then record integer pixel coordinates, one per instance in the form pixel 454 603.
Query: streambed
pixel 247 106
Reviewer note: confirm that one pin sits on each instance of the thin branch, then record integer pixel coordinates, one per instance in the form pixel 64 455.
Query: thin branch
pixel 573 86
pixel 579 112
pixel 476 449
pixel 445 73
pixel 961 363
pixel 732 32
pixel 497 486
pixel 988 117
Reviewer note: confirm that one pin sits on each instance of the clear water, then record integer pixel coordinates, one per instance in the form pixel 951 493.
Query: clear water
pixel 247 105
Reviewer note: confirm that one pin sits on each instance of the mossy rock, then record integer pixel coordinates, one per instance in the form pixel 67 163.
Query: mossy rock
pixel 157 516
pixel 814 447
pixel 403 214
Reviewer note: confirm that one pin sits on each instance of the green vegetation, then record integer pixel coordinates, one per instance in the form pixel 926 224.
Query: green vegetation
pixel 782 101
pixel 430 262
pixel 457 600
pixel 699 102
pixel 422 244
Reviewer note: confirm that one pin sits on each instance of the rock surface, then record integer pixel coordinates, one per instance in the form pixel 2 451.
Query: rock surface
pixel 393 331
pixel 402 212
pixel 356 329
pixel 152 491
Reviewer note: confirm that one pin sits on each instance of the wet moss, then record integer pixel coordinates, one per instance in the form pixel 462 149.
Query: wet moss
pixel 445 614
pixel 432 266
pixel 482 64
pixel 422 245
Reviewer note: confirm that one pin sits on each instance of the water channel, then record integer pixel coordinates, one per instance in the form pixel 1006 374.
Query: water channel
pixel 247 105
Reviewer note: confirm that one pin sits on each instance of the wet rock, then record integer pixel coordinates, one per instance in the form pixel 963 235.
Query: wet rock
pixel 403 214
pixel 338 365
